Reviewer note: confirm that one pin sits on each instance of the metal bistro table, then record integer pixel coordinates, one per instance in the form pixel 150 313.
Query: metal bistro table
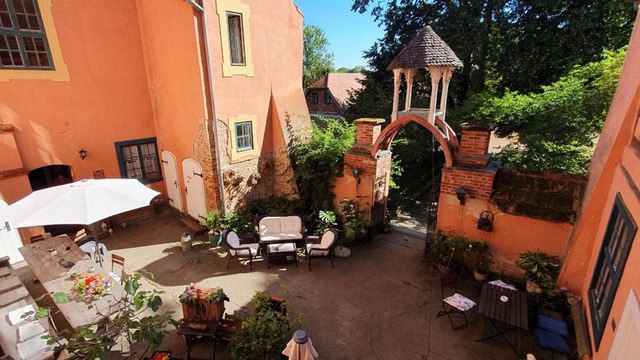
pixel 46 259
pixel 510 310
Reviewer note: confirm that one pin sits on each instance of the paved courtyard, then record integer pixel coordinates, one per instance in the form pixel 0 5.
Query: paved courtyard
pixel 380 303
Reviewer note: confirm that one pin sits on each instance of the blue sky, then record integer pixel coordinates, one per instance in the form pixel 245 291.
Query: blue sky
pixel 349 33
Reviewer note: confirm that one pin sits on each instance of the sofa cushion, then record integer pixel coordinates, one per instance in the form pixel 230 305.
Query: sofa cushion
pixel 281 236
pixel 269 224
pixel 252 249
pixel 312 250
pixel 290 224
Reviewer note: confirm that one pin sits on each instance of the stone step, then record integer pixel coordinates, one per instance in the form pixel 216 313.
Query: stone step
pixel 12 296
pixel 4 271
pixel 9 283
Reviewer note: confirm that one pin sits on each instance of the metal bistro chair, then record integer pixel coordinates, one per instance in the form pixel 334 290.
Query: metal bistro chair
pixel 455 303
pixel 117 260
pixel 322 249
pixel 236 249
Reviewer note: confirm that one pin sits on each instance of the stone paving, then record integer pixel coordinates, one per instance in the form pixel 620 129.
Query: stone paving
pixel 380 303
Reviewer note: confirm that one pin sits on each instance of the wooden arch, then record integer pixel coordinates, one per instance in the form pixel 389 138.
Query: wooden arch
pixel 446 137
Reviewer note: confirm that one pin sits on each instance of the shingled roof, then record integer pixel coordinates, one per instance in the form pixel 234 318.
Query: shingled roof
pixel 426 49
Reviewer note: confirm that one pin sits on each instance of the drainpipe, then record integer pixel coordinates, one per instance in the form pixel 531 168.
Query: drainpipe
pixel 211 85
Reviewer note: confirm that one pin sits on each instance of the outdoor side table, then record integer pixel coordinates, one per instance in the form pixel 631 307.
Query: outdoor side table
pixel 512 312
pixel 282 251
pixel 193 329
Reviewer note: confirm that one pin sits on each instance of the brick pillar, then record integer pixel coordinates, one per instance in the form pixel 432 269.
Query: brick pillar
pixel 371 183
pixel 471 170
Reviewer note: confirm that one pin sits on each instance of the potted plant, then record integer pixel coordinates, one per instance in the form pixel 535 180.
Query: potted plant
pixel 479 259
pixel 540 270
pixel 441 253
pixel 353 225
pixel 202 303
pixel 213 222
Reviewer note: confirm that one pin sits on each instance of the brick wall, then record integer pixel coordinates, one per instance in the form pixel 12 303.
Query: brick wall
pixel 479 183
pixel 321 108
pixel 202 153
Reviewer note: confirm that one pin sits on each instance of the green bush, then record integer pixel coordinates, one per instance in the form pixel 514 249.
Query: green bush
pixel 264 335
pixel 317 159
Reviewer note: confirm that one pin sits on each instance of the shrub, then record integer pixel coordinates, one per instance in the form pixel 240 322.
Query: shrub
pixel 264 335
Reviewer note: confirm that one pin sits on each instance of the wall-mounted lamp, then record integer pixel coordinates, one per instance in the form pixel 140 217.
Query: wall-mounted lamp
pixel 6 227
pixel 355 172
pixel 485 221
pixel 83 153
pixel 461 194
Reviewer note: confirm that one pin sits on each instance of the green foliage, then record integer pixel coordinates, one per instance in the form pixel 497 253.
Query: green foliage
pixel 316 58
pixel 264 335
pixel 213 221
pixel 238 221
pixel 478 256
pixel 355 69
pixel 539 266
pixel 273 205
pixel 136 321
pixel 353 222
pixel 557 127
pixel 444 248
pixel 326 220
pixel 543 270
pixel 317 159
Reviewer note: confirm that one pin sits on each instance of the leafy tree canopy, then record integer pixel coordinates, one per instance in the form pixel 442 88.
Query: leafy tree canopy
pixel 557 127
pixel 316 59
pixel 355 69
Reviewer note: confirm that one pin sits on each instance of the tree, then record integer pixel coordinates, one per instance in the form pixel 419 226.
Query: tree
pixel 355 69
pixel 317 60
pixel 557 127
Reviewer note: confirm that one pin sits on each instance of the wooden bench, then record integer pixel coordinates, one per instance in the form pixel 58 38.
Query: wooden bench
pixel 578 318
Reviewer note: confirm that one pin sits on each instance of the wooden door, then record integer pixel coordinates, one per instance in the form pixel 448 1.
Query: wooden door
pixel 194 188
pixel 10 240
pixel 625 342
pixel 171 180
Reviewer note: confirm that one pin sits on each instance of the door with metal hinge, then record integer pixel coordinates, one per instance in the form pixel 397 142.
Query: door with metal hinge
pixel 171 179
pixel 194 189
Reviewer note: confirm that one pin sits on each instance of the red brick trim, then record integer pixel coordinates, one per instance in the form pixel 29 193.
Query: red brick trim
pixel 6 174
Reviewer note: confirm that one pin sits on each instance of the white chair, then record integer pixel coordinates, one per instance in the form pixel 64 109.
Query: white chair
pixel 232 240
pixel 322 249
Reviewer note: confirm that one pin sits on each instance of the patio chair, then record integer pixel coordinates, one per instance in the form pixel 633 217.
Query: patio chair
pixel 456 303
pixel 236 249
pixel 117 260
pixel 322 249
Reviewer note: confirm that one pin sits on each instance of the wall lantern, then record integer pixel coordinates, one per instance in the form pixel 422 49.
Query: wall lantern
pixel 485 221
pixel 355 172
pixel 83 153
pixel 461 194
pixel 6 227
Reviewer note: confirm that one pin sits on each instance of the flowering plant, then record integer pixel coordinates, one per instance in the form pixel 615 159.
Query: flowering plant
pixel 161 355
pixel 91 285
pixel 216 294
pixel 190 294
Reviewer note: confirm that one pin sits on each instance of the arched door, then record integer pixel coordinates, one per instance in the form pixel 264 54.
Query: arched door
pixel 194 188
pixel 171 179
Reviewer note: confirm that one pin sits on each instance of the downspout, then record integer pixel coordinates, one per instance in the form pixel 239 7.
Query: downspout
pixel 211 86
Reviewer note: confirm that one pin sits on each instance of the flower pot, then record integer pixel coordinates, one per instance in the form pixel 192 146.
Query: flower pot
pixel 341 251
pixel 215 238
pixel 480 274
pixel 203 310
pixel 443 269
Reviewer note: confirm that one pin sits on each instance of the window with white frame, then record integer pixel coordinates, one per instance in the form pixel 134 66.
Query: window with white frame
pixel 244 136
pixel 138 159
pixel 618 238
pixel 236 38
pixel 23 42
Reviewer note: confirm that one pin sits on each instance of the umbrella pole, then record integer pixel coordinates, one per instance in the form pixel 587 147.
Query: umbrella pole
pixel 96 255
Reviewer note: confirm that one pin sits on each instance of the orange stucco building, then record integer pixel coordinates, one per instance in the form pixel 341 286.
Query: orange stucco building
pixel 191 97
pixel 602 260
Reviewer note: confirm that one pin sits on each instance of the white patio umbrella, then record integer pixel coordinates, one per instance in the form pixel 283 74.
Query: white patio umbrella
pixel 300 347
pixel 83 202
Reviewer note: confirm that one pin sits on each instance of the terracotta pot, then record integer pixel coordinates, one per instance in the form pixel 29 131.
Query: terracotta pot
pixel 480 275
pixel 203 310
pixel 444 269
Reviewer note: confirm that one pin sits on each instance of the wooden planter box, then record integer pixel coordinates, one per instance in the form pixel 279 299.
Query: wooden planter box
pixel 203 310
